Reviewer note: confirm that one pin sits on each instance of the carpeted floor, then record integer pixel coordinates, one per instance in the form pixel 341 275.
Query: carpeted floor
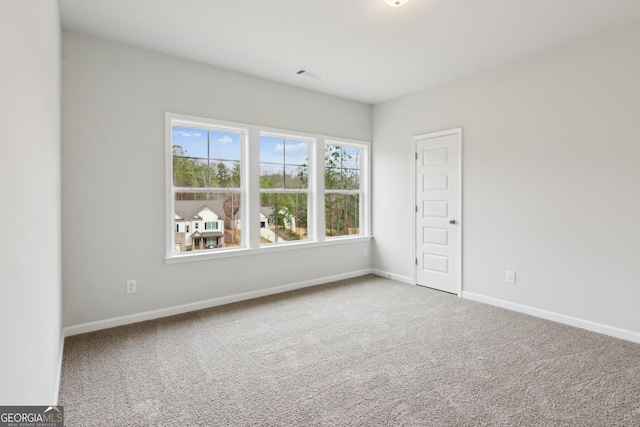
pixel 361 352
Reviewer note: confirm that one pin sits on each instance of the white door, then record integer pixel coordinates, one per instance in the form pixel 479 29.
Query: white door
pixel 438 233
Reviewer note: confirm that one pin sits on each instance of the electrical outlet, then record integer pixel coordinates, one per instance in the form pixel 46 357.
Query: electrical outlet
pixel 511 277
pixel 366 252
pixel 132 286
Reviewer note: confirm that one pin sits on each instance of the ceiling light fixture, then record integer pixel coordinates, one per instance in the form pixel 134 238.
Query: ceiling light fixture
pixel 396 3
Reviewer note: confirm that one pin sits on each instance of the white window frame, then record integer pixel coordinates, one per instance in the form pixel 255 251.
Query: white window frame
pixel 311 232
pixel 250 190
pixel 204 124
pixel 364 209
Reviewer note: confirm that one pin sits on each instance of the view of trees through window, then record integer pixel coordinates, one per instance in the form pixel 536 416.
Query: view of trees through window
pixel 284 182
pixel 342 176
pixel 207 173
pixel 206 166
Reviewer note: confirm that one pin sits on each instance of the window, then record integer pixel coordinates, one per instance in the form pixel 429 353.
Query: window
pixel 211 242
pixel 253 189
pixel 284 189
pixel 343 189
pixel 206 183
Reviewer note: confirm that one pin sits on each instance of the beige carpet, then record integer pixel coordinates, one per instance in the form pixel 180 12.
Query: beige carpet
pixel 362 352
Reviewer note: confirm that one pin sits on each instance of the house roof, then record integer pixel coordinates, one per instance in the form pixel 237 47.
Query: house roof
pixel 266 211
pixel 212 234
pixel 188 209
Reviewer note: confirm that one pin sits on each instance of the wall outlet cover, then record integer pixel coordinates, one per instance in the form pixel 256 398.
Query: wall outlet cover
pixel 511 277
pixel 132 286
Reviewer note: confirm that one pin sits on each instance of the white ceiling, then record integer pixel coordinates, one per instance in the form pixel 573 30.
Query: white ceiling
pixel 369 51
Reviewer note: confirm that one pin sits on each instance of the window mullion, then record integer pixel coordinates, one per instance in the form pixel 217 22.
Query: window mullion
pixel 284 190
pixel 318 191
pixel 365 187
pixel 206 190
pixel 343 191
pixel 252 206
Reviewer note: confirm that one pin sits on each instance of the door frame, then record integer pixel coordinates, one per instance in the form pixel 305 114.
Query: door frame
pixel 456 215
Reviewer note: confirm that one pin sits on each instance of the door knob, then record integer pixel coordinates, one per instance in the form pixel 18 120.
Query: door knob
pixel 452 221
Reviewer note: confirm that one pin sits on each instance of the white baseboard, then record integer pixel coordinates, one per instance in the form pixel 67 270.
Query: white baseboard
pixel 557 317
pixel 392 276
pixel 185 308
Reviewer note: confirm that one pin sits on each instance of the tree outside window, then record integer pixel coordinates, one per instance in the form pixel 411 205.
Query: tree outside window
pixel 342 180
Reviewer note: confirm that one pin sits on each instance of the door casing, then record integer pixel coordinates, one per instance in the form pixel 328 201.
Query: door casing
pixel 457 215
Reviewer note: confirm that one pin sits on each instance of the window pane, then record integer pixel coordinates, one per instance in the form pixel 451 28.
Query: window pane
pixel 351 179
pixel 351 157
pixel 283 217
pixel 189 172
pixel 332 179
pixel 193 142
pixel 296 152
pixel 332 156
pixel 224 145
pixel 342 167
pixel 351 172
pixel 271 175
pixel 296 176
pixel 342 214
pixel 271 150
pixel 283 163
pixel 205 158
pixel 225 174
pixel 341 179
pixel 206 221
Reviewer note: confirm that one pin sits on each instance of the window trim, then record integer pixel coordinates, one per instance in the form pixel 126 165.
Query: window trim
pixel 250 189
pixel 238 252
pixel 205 124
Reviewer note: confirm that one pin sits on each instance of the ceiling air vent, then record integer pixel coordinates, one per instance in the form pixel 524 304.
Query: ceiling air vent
pixel 310 74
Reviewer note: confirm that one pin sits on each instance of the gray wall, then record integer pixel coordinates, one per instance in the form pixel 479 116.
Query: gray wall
pixel 30 286
pixel 550 178
pixel 113 179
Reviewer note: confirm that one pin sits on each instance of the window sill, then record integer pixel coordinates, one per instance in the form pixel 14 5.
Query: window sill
pixel 230 253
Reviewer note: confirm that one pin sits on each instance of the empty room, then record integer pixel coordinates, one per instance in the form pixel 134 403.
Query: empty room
pixel 332 213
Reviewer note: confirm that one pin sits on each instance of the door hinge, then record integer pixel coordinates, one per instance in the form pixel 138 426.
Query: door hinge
pixel 416 156
pixel 416 208
pixel 416 261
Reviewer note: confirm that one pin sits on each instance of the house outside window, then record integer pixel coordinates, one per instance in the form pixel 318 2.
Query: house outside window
pixel 206 162
pixel 284 188
pixel 255 188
